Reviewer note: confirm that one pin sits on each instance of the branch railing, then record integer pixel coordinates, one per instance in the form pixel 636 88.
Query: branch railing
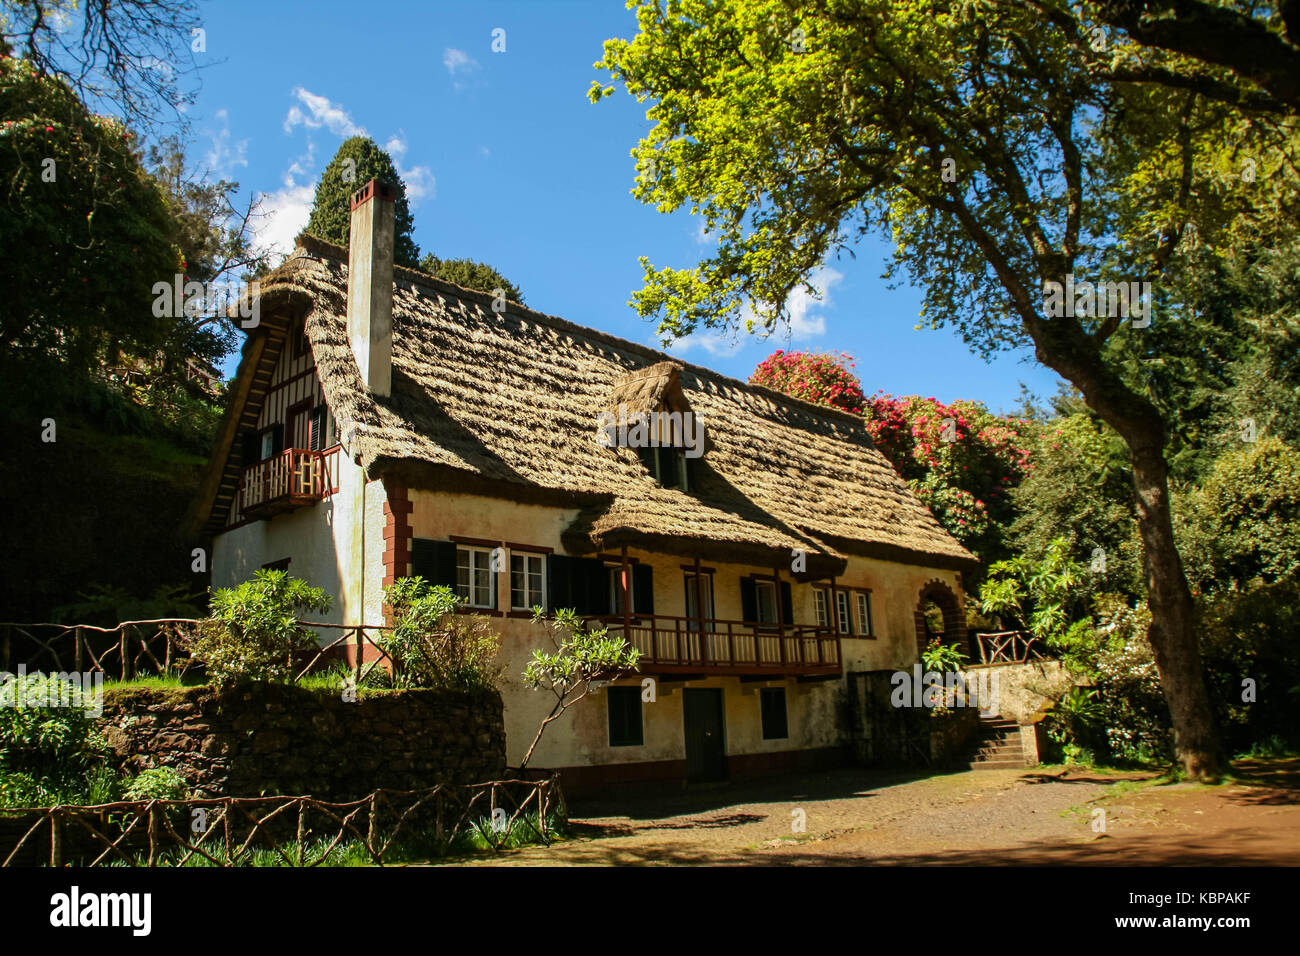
pixel 1009 647
pixel 159 646
pixel 293 830
pixel 723 645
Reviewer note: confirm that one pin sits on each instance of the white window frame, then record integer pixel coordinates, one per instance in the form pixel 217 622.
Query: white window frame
pixel 527 557
pixel 822 606
pixel 843 618
pixel 865 619
pixel 479 559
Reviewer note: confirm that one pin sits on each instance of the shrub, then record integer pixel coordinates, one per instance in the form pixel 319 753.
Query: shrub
pixel 44 749
pixel 157 783
pixel 253 633
pixel 432 646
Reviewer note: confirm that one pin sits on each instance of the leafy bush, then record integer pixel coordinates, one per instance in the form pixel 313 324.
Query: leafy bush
pixel 44 749
pixel 431 645
pixel 157 783
pixel 939 656
pixel 253 633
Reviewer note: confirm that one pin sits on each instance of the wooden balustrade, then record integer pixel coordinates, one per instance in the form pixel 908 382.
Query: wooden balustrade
pixel 677 645
pixel 293 478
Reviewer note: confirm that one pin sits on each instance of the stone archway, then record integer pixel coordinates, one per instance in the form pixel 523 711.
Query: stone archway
pixel 938 601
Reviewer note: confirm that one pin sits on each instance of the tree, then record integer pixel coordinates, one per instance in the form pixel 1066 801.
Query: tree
pixel 979 138
pixel 358 160
pixel 130 54
pixel 472 275
pixel 580 657
pixel 431 645
pixel 85 232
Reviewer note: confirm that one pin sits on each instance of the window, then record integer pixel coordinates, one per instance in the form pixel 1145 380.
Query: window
pixel 268 443
pixel 475 580
pixel 865 626
pixel 527 581
pixel 625 717
pixel 299 340
pixel 765 602
pixel 281 565
pixel 316 425
pixel 705 596
pixel 775 726
pixel 823 607
pixel 844 625
pixel 616 587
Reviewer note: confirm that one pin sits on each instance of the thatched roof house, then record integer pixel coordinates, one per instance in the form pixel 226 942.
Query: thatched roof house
pixel 507 404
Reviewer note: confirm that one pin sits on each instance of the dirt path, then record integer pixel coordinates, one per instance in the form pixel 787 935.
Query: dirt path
pixel 854 817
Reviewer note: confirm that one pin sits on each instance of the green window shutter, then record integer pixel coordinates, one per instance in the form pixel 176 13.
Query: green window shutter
pixel 748 600
pixel 594 577
pixel 787 603
pixel 643 589
pixel 435 561
pixel 559 582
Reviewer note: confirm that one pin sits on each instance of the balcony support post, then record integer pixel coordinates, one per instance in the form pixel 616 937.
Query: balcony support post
pixel 626 580
pixel 780 613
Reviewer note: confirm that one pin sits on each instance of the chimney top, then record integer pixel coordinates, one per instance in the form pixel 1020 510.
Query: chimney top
pixel 376 188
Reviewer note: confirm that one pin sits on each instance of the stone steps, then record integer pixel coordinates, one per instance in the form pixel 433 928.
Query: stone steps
pixel 997 747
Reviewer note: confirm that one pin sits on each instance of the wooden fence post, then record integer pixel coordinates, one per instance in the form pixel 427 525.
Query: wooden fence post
pixel 122 647
pixel 56 838
pixel 76 643
pixel 302 832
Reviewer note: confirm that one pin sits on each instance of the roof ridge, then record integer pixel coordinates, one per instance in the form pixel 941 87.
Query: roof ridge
pixel 317 246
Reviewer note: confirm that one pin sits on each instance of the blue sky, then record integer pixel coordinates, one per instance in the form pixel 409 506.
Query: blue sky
pixel 506 161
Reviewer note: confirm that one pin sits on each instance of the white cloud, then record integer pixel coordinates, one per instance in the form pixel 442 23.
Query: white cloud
pixel 420 181
pixel 457 60
pixel 224 154
pixel 283 213
pixel 320 111
pixel 800 303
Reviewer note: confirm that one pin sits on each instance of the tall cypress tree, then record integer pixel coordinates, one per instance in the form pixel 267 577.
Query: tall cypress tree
pixel 358 161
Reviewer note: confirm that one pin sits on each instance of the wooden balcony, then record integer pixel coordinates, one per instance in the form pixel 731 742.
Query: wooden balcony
pixel 289 480
pixel 677 645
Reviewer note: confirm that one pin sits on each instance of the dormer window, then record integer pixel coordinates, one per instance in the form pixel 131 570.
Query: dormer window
pixel 670 466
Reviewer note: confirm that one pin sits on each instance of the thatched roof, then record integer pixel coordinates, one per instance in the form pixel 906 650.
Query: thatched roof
pixel 508 404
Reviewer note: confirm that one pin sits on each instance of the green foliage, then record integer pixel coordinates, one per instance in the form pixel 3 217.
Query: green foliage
pixel 1079 490
pixel 433 646
pixel 581 656
pixel 358 160
pixel 1041 595
pixel 942 657
pixel 1243 522
pixel 253 633
pixel 107 606
pixel 472 275
pixel 44 749
pixel 157 783
pixel 80 254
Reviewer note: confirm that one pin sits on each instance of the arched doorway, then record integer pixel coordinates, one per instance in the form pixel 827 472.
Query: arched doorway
pixel 939 614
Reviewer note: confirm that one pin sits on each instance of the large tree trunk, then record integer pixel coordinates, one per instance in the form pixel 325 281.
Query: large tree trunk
pixel 1173 631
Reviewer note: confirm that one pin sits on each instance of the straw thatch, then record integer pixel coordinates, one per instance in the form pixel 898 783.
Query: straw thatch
pixel 508 404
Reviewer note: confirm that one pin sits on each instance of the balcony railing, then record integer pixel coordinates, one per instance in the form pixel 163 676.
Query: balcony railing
pixel 293 478
pixel 677 645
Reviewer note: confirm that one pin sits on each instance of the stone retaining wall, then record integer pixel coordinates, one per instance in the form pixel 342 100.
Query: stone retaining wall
pixel 275 739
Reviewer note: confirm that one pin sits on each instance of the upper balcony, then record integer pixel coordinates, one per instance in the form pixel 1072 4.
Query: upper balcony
pixel 283 482
pixel 680 645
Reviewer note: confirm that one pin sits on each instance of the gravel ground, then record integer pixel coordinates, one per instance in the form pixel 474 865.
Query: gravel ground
pixel 855 817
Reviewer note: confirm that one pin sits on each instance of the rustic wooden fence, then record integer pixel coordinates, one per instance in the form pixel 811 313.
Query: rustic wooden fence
pixel 158 646
pixel 298 831
pixel 1010 647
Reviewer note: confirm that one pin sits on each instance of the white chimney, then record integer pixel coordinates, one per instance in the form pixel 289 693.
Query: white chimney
pixel 370 284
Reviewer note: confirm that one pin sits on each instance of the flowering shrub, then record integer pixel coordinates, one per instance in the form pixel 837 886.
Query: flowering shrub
pixel 818 377
pixel 959 458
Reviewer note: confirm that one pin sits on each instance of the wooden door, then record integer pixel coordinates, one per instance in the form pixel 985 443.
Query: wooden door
pixel 706 747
